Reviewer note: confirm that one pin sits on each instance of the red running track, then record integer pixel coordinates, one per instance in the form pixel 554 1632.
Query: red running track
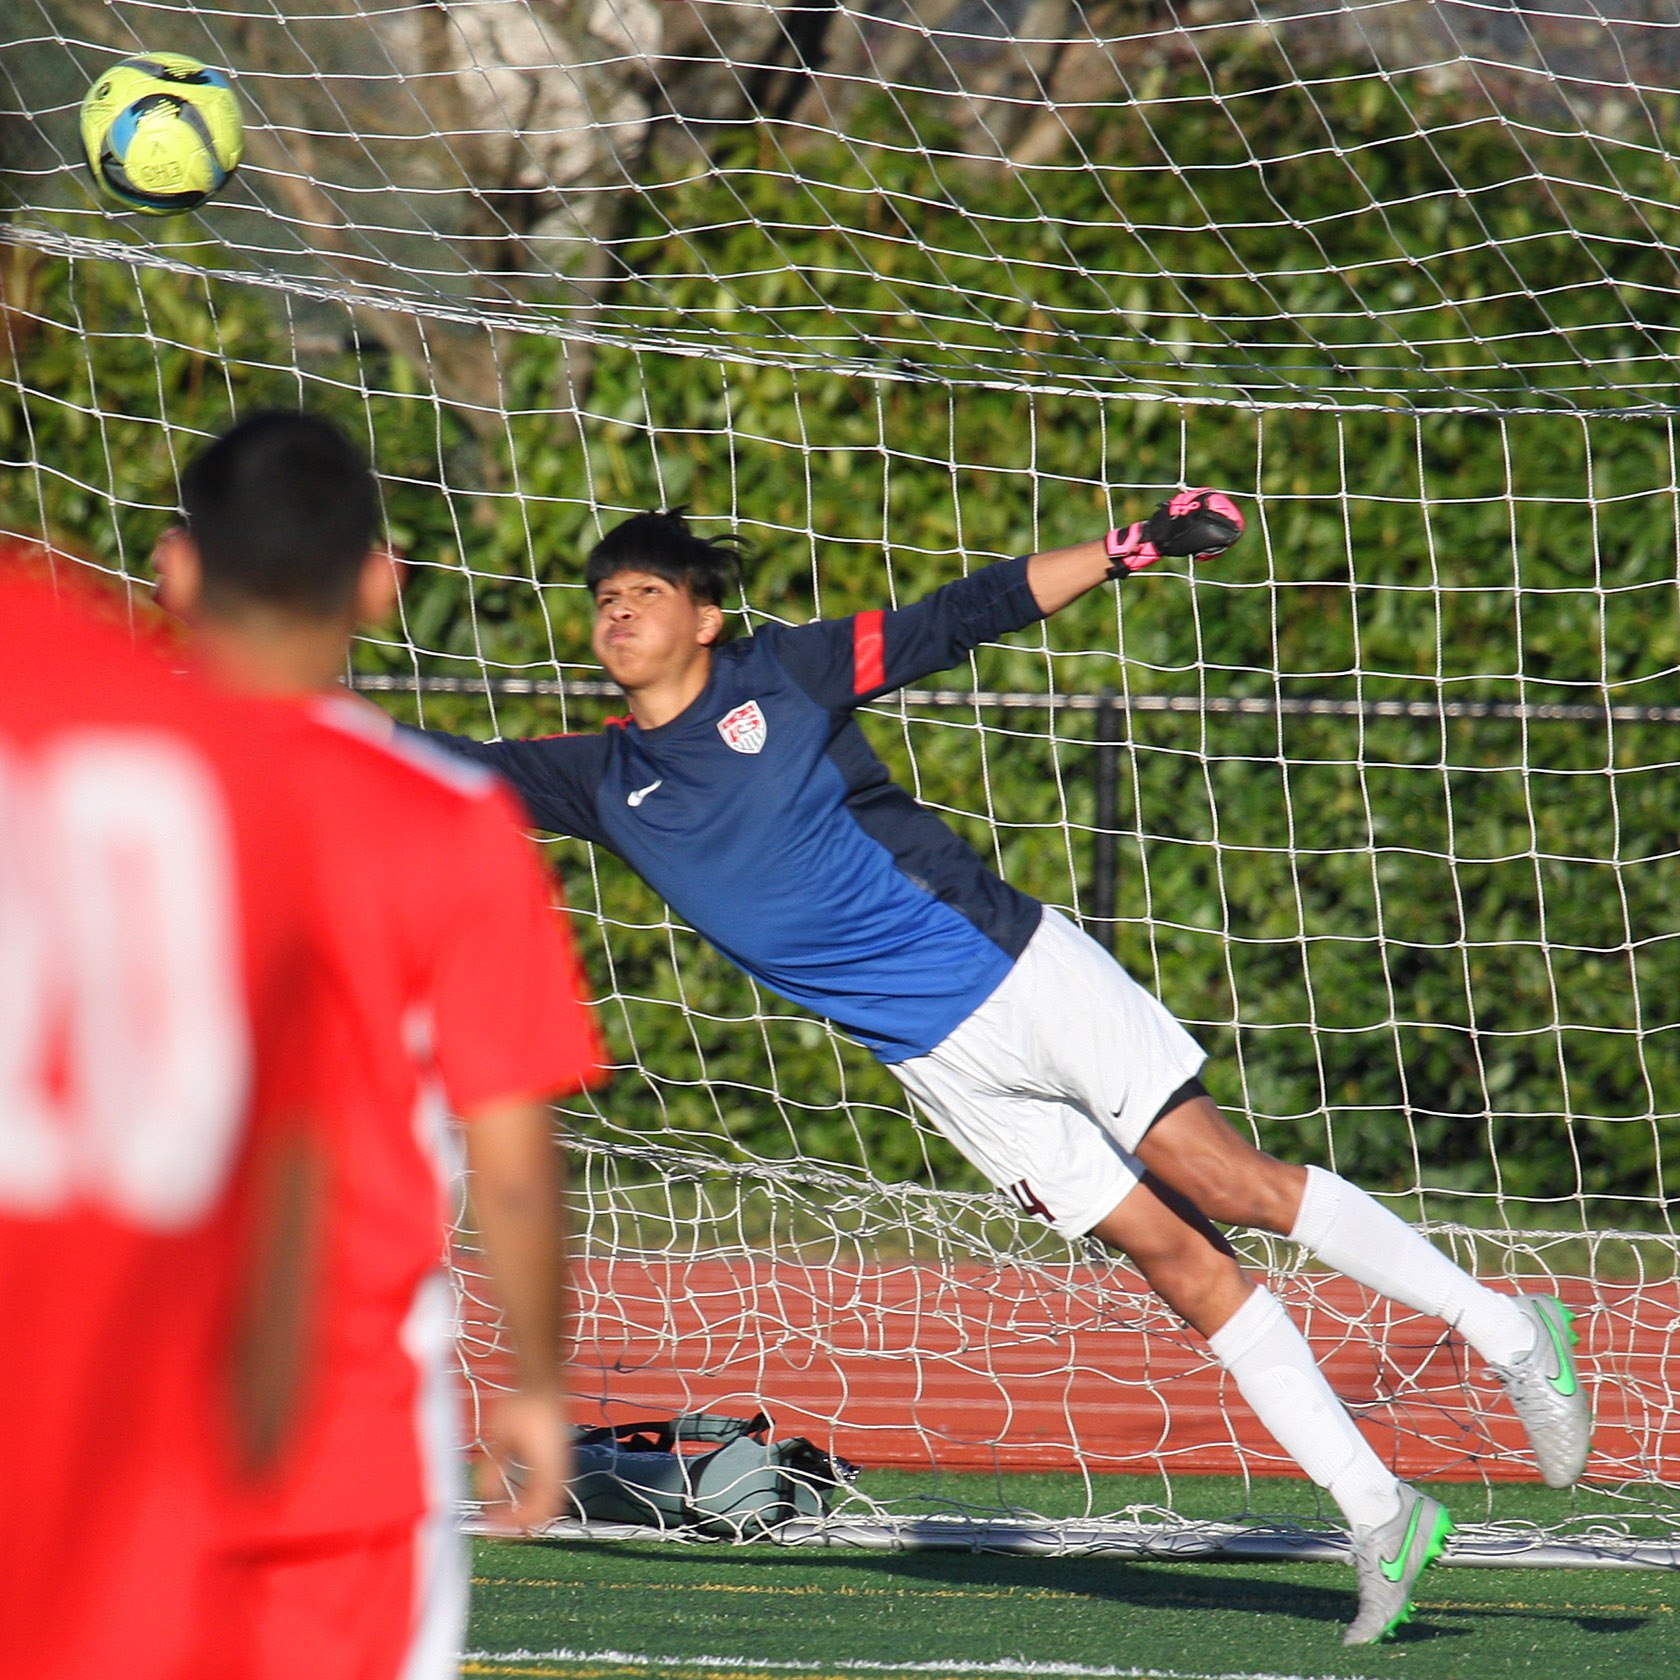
pixel 968 1367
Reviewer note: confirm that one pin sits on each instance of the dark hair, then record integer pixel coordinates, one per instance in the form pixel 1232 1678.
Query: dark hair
pixel 283 510
pixel 662 545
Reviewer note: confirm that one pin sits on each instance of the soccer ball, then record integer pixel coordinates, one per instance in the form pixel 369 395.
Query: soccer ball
pixel 161 132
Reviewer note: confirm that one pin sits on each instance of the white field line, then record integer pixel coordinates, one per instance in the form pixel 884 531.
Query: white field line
pixel 1054 1670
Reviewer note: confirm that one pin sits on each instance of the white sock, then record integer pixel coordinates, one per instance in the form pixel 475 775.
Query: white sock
pixel 1361 1239
pixel 1278 1376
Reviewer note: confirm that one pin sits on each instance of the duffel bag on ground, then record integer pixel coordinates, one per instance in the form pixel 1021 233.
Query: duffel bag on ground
pixel 746 1485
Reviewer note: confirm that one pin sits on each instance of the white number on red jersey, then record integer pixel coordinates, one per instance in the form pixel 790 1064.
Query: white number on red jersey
pixel 123 1048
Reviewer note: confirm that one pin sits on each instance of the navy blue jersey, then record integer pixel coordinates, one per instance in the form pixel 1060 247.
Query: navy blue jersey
pixel 764 818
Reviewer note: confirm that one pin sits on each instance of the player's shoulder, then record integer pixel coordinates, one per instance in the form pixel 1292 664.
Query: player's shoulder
pixel 814 655
pixel 355 738
pixel 52 625
pixel 77 657
pixel 392 781
pixel 771 644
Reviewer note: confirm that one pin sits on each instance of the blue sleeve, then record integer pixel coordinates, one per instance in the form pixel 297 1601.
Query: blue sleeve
pixel 556 776
pixel 843 662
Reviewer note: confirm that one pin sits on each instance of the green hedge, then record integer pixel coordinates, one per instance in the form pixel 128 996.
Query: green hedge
pixel 1440 954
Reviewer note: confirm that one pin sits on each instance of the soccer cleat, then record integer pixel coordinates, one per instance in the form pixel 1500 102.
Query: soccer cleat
pixel 1547 1394
pixel 1390 1558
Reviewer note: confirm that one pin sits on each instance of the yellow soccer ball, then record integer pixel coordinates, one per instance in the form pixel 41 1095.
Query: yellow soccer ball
pixel 162 133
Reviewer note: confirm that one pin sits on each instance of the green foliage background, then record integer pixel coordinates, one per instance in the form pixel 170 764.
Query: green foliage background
pixel 1440 954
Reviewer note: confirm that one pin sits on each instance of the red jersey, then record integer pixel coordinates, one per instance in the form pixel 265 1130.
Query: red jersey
pixel 153 948
pixel 459 989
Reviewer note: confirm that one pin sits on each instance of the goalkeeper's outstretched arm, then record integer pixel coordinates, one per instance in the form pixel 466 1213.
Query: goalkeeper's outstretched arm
pixel 849 662
pixel 657 641
pixel 1201 523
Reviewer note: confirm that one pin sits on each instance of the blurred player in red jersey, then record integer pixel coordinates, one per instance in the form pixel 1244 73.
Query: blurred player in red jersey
pixel 156 1151
pixel 463 996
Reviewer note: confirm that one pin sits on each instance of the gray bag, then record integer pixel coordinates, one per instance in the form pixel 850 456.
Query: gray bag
pixel 744 1487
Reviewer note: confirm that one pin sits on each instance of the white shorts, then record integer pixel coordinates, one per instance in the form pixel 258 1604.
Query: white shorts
pixel 1052 1082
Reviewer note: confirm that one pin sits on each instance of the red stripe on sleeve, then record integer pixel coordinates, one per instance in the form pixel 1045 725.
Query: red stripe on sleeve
pixel 869 652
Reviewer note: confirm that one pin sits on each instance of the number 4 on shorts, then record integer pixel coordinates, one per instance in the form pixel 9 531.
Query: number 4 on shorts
pixel 1026 1198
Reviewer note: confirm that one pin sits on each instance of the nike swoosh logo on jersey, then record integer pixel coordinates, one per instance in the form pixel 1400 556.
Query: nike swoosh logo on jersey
pixel 635 799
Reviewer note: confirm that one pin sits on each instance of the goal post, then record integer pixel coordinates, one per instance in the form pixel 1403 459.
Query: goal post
pixel 1379 803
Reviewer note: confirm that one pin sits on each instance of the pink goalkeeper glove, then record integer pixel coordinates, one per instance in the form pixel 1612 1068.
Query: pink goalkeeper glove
pixel 1201 523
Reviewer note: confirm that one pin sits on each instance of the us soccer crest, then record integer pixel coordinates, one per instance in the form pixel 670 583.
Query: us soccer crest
pixel 744 729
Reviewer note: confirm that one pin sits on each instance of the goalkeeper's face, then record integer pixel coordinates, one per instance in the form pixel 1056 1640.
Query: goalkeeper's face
pixel 650 632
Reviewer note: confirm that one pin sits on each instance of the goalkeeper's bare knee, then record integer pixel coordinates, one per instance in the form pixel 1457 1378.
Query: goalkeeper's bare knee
pixel 1181 1256
pixel 1195 1149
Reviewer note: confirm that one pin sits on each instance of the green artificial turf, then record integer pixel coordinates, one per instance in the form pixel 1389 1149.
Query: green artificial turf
pixel 589 1610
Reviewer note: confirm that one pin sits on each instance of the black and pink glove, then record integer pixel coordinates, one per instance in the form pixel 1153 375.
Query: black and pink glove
pixel 1201 523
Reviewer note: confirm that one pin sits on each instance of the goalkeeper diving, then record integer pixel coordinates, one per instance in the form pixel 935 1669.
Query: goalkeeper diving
pixel 742 789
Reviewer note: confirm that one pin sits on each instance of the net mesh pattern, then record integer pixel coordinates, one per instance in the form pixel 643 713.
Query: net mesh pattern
pixel 897 293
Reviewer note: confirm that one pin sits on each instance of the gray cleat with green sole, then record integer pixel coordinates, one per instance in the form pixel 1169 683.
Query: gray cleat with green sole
pixel 1547 1393
pixel 1389 1560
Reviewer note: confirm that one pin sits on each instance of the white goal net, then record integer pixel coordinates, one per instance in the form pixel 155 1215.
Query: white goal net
pixel 1381 803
